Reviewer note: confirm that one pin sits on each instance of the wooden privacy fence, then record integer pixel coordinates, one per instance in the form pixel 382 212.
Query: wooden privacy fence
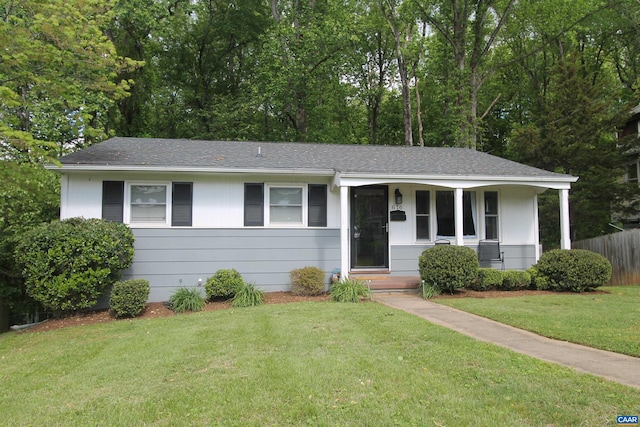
pixel 622 250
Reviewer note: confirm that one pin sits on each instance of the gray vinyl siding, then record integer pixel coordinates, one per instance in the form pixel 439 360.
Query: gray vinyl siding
pixel 170 258
pixel 404 258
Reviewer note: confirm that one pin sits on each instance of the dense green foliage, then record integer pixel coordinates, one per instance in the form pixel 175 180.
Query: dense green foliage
pixel 575 270
pixel 307 281
pixel 29 196
pixel 223 284
pixel 513 280
pixel 448 267
pixel 68 264
pixel 187 299
pixel 488 279
pixel 248 296
pixel 350 290
pixel 129 297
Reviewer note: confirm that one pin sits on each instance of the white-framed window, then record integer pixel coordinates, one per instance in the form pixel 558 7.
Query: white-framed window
pixel 491 216
pixel 445 214
pixel 423 214
pixel 285 205
pixel 147 203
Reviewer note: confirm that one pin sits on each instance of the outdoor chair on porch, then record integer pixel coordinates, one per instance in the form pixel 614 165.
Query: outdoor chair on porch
pixel 489 252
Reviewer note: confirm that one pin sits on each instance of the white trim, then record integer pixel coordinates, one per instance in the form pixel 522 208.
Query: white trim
pixel 565 227
pixel 459 216
pixel 345 255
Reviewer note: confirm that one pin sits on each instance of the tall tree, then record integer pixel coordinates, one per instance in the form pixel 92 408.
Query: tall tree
pixel 56 78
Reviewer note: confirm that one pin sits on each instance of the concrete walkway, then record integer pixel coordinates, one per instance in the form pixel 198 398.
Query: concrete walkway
pixel 612 366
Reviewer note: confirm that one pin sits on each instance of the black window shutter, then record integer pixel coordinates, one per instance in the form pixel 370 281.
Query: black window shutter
pixel 253 204
pixel 317 205
pixel 181 203
pixel 112 200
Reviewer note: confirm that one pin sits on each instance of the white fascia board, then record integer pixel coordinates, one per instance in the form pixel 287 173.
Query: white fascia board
pixel 174 169
pixel 464 182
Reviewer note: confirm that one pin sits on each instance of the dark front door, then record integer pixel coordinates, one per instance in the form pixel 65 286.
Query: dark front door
pixel 369 227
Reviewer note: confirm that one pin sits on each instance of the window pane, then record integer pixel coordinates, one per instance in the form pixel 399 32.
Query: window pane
pixel 491 202
pixel 444 213
pixel 148 203
pixel 422 227
pixel 469 213
pixel 491 225
pixel 148 213
pixel 285 196
pixel 422 202
pixel 292 214
pixel 153 194
pixel 317 211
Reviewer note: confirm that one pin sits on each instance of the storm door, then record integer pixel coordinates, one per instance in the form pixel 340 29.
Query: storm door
pixel 369 227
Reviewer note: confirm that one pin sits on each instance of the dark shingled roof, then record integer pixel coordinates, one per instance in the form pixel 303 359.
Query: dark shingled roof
pixel 367 159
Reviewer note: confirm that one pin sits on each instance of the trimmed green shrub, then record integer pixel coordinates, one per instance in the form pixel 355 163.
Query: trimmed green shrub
pixel 129 297
pixel 68 264
pixel 574 270
pixel 187 299
pixel 513 280
pixel 248 296
pixel 350 290
pixel 488 279
pixel 448 267
pixel 307 281
pixel 223 284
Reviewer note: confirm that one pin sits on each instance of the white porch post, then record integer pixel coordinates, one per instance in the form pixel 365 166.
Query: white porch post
pixel 344 233
pixel 565 228
pixel 536 227
pixel 458 212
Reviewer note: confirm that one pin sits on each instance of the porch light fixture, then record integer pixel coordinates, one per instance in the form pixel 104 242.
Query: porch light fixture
pixel 398 195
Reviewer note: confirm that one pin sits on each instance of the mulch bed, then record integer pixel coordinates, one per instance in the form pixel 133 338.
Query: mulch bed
pixel 158 309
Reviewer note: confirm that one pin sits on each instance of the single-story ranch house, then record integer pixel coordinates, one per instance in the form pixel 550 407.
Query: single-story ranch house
pixel 267 208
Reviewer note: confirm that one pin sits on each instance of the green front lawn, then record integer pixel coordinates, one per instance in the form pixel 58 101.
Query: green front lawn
pixel 608 321
pixel 291 364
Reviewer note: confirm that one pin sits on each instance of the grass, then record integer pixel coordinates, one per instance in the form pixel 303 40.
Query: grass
pixel 605 321
pixel 306 363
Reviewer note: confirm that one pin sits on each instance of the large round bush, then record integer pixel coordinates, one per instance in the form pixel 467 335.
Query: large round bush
pixel 223 284
pixel 68 264
pixel 574 270
pixel 448 267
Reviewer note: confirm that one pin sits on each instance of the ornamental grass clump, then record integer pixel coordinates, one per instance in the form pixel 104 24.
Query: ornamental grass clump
pixel 574 270
pixel 129 298
pixel 350 290
pixel 248 296
pixel 223 284
pixel 448 267
pixel 307 281
pixel 187 299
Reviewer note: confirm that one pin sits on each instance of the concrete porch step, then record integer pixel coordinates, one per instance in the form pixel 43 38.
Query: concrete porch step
pixel 386 282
